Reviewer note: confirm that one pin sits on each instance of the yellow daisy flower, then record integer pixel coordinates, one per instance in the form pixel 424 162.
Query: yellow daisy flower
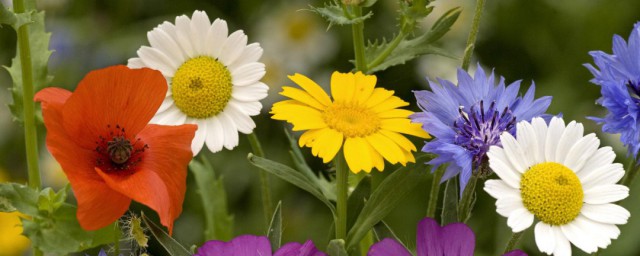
pixel 364 119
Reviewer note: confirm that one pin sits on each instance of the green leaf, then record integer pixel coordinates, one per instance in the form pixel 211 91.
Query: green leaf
pixel 275 228
pixel 292 176
pixel 7 16
pixel 39 44
pixel 450 203
pixel 409 49
pixel 334 14
pixel 214 201
pixel 386 197
pixel 357 199
pixel 168 243
pixel 368 3
pixel 382 230
pixel 327 188
pixel 19 197
pixel 336 248
pixel 49 201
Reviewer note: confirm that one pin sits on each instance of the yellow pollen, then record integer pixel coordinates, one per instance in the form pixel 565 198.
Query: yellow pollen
pixel 552 192
pixel 201 87
pixel 352 120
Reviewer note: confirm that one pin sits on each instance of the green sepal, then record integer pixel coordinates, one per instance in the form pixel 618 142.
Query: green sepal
pixel 292 176
pixel 275 228
pixel 336 248
pixel 335 14
pixel 386 197
pixel 168 243
pixel 40 53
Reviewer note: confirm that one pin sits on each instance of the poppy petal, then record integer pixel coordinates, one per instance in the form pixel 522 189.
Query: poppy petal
pixel 98 205
pixel 113 96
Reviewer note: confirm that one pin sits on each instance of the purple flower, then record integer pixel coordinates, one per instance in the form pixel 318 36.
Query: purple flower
pixel 618 76
pixel 250 245
pixel 468 119
pixel 433 240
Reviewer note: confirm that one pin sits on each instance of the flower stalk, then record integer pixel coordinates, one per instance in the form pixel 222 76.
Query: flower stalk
pixel 434 194
pixel 471 40
pixel 342 187
pixel 267 206
pixel 358 41
pixel 513 241
pixel 30 132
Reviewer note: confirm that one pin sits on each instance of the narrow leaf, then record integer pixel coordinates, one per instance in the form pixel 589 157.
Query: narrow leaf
pixel 356 200
pixel 292 176
pixel 327 188
pixel 336 248
pixel 450 203
pixel 386 197
pixel 275 228
pixel 170 245
pixel 443 24
pixel 219 223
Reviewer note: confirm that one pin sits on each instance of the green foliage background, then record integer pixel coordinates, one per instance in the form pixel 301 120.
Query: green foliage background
pixel 545 41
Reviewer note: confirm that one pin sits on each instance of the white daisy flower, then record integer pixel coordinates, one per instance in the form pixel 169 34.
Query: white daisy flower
pixel 213 77
pixel 560 177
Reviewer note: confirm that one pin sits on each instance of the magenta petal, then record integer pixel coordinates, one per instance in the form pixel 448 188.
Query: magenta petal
pixel 388 247
pixel 245 245
pixel 453 239
pixel 515 253
pixel 297 249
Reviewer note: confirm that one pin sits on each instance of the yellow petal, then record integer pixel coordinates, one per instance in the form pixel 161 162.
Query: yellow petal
pixel 395 113
pixel 379 95
pixel 376 157
pixel 386 148
pixel 308 137
pixel 399 139
pixel 301 96
pixel 403 125
pixel 300 115
pixel 342 86
pixel 358 156
pixel 364 86
pixel 328 144
pixel 312 88
pixel 390 103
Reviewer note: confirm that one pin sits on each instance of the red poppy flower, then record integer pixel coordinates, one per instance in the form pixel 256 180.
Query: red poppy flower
pixel 101 137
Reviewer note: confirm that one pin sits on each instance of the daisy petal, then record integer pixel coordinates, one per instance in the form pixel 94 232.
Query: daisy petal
pixel 605 194
pixel 545 237
pixel 233 47
pixel 520 220
pixel 606 213
pixel 216 37
pixel 215 135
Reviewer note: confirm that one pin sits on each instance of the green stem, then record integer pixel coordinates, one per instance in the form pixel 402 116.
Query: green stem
pixel 464 208
pixel 632 170
pixel 471 40
pixel 435 192
pixel 383 56
pixel 358 41
pixel 30 133
pixel 513 241
pixel 342 187
pixel 116 240
pixel 267 206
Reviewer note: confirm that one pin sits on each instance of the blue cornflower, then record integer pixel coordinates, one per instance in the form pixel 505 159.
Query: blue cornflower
pixel 619 80
pixel 468 119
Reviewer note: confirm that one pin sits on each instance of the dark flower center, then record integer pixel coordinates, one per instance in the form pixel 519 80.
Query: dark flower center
pixel 479 129
pixel 115 152
pixel 634 89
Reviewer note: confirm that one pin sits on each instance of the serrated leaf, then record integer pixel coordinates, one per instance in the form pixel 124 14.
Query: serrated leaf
pixel 275 228
pixel 336 248
pixel 409 49
pixel 334 14
pixel 386 197
pixel 292 176
pixel 7 16
pixel 168 243
pixel 20 198
pixel 49 200
pixel 214 201
pixel 40 53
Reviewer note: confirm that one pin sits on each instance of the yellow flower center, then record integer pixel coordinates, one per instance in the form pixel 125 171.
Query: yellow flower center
pixel 552 192
pixel 201 87
pixel 351 120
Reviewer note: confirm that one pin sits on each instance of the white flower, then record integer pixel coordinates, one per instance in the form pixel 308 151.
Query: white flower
pixel 560 177
pixel 213 77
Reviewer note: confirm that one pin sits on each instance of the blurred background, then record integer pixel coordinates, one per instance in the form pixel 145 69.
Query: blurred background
pixel 545 41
